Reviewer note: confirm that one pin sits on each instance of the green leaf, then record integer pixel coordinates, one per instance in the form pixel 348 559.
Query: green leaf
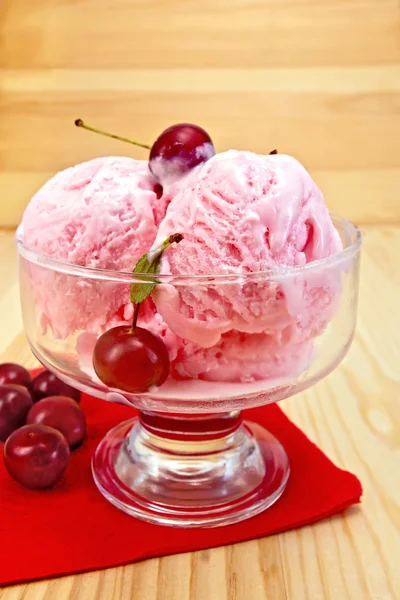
pixel 140 291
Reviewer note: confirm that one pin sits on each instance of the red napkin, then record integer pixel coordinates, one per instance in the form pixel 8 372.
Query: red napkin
pixel 72 528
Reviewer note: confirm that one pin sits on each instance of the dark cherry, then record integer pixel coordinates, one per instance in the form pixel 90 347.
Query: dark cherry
pixel 13 373
pixel 15 402
pixel 131 361
pixel 177 150
pixel 61 413
pixel 36 456
pixel 47 384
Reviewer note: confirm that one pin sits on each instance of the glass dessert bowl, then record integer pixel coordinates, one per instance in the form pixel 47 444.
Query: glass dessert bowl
pixel 188 459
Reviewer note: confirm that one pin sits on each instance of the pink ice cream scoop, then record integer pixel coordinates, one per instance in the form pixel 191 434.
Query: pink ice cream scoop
pixel 245 214
pixel 102 214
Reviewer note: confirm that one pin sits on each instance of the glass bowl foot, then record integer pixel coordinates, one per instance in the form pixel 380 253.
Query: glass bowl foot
pixel 188 472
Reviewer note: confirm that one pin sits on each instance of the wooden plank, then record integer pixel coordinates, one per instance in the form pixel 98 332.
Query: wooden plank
pixel 161 34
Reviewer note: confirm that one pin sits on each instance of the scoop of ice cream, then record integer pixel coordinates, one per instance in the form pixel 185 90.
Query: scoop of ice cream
pixel 101 214
pixel 247 215
pixel 243 212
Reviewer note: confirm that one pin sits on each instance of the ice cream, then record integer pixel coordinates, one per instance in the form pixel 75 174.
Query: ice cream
pixel 244 213
pixel 246 220
pixel 101 214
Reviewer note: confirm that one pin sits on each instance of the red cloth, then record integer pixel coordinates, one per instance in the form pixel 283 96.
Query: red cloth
pixel 72 528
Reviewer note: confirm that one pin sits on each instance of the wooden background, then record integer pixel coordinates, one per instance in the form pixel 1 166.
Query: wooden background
pixel 319 79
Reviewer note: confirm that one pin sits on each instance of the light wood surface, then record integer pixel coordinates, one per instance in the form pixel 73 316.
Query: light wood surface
pixel 353 415
pixel 319 79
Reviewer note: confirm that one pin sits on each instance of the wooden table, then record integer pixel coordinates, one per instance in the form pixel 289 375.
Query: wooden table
pixel 319 79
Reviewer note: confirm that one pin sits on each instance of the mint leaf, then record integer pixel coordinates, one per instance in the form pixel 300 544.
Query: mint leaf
pixel 149 264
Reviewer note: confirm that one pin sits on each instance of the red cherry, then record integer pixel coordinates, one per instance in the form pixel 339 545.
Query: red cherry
pixel 15 402
pixel 47 384
pixel 13 373
pixel 36 456
pixel 61 413
pixel 131 361
pixel 177 150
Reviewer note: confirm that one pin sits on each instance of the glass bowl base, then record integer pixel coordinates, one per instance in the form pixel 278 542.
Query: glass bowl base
pixel 190 479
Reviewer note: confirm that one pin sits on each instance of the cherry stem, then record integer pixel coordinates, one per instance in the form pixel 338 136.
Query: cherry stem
pixel 135 316
pixel 80 123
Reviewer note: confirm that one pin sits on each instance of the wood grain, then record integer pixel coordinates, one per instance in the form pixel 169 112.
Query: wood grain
pixel 319 79
pixel 353 415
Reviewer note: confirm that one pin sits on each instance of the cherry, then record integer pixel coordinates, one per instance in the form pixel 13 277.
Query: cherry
pixel 61 413
pixel 132 360
pixel 15 402
pixel 36 456
pixel 47 384
pixel 12 373
pixel 177 150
